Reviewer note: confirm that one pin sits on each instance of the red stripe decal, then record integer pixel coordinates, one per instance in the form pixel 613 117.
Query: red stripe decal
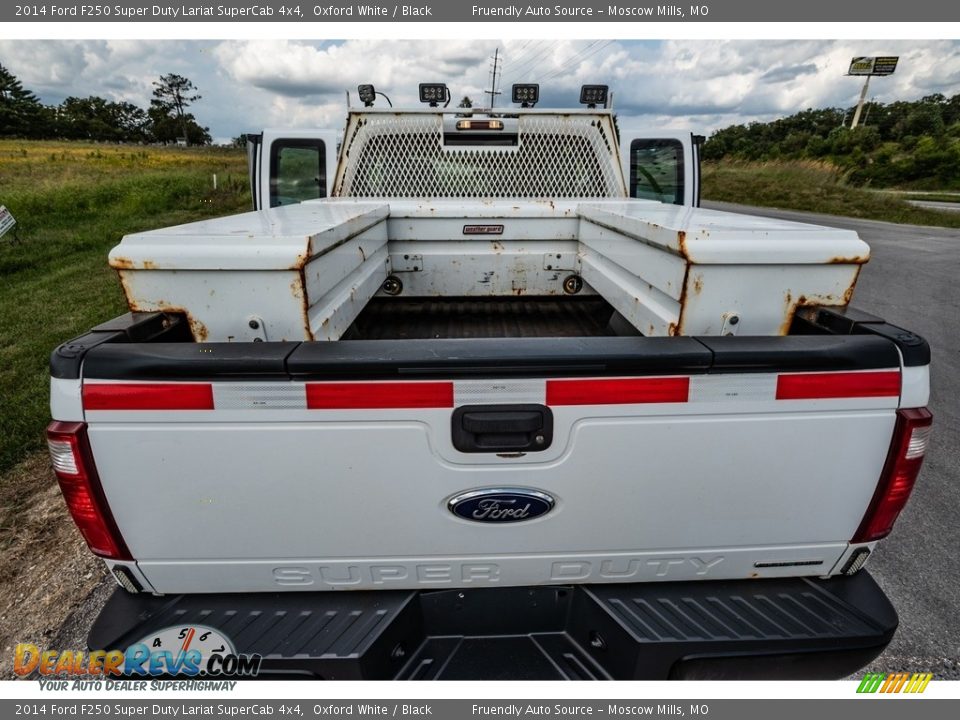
pixel 355 396
pixel 820 386
pixel 624 391
pixel 148 396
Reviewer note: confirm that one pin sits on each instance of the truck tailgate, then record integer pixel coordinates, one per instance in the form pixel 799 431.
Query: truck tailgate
pixel 333 465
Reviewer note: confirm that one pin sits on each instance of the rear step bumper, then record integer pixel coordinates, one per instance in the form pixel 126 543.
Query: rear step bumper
pixel 780 628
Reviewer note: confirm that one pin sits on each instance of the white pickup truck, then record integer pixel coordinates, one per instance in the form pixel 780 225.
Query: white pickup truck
pixel 472 396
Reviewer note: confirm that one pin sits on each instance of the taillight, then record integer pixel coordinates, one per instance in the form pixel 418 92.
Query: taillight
pixel 80 485
pixel 911 436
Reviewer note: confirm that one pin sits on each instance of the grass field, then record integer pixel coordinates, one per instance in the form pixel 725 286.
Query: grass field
pixel 811 186
pixel 73 202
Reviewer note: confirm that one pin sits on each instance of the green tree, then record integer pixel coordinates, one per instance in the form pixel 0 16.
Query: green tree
pixel 906 143
pixel 172 95
pixel 21 113
pixel 94 118
pixel 924 119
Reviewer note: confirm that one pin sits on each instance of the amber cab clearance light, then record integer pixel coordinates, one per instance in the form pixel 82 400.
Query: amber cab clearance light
pixel 479 124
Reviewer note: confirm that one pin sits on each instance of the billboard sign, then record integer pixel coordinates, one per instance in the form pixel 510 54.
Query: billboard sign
pixel 873 65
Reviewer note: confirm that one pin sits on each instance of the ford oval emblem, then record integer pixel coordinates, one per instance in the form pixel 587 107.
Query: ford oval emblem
pixel 501 505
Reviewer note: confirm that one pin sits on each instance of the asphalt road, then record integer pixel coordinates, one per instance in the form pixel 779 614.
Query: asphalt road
pixel 912 280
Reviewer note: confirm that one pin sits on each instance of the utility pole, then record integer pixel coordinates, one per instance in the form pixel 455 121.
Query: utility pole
pixel 493 92
pixel 863 96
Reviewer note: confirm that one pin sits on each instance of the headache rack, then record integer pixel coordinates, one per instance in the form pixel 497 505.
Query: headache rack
pixel 427 154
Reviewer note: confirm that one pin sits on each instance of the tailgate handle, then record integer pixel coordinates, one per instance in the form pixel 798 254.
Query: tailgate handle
pixel 502 428
pixel 502 422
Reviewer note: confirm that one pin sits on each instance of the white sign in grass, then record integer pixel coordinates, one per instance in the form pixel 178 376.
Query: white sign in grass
pixel 6 220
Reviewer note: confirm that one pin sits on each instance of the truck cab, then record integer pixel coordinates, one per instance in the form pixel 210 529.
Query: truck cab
pixel 292 165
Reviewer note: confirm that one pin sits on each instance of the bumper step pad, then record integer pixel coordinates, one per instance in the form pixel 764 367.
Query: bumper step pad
pixel 782 628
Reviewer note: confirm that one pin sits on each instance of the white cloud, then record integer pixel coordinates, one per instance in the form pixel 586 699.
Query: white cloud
pixel 298 68
pixel 701 85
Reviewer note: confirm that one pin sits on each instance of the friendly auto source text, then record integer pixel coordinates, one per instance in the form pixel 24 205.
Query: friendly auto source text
pixel 637 11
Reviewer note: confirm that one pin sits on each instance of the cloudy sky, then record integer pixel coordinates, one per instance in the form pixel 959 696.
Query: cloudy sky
pixel 701 85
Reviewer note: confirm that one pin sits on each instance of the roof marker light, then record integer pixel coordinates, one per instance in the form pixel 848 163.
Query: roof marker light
pixel 593 95
pixel 367 94
pixel 526 95
pixel 434 94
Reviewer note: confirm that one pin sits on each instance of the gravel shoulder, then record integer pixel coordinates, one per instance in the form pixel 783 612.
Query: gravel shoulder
pixel 46 571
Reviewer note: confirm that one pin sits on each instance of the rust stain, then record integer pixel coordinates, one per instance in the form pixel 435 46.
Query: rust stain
pixel 682 242
pixel 300 261
pixel 792 308
pixel 848 293
pixel 789 310
pixel 676 328
pixel 304 305
pixel 852 260
pixel 697 284
pixel 296 288
pixel 122 263
pixel 197 328
pixel 127 292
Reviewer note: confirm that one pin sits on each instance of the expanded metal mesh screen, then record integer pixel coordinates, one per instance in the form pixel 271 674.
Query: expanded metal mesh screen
pixel 404 156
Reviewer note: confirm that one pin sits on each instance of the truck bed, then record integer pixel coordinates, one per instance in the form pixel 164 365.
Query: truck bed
pixel 461 318
pixel 306 272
